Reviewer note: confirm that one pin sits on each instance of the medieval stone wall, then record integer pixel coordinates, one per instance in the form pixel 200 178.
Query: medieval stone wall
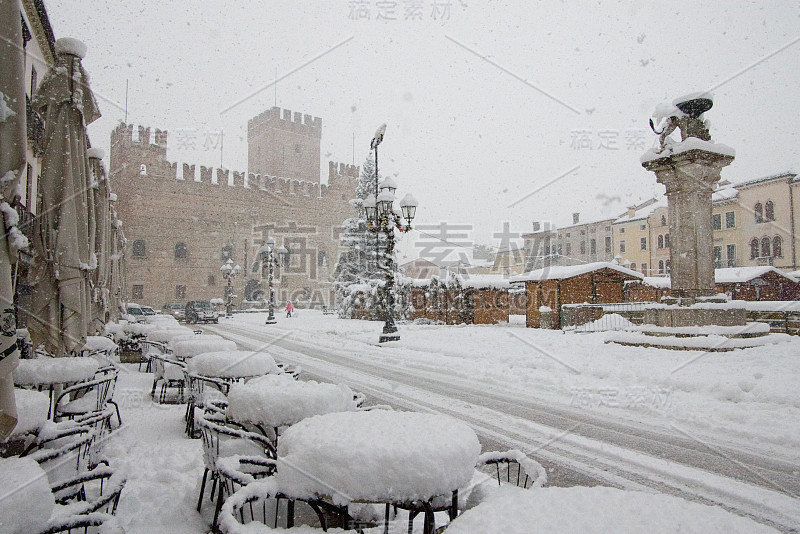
pixel 180 222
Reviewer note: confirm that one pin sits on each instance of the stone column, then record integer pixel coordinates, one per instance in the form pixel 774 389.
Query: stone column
pixel 689 178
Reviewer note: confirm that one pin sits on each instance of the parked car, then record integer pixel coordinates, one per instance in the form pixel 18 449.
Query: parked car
pixel 147 310
pixel 200 311
pixel 135 311
pixel 175 309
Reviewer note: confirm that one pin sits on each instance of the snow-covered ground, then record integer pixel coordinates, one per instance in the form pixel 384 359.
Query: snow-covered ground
pixel 747 400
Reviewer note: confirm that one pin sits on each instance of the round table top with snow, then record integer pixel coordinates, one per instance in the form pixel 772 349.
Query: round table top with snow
pixel 232 364
pixel 49 371
pixel 279 400
pixel 377 456
pixel 189 348
pixel 597 510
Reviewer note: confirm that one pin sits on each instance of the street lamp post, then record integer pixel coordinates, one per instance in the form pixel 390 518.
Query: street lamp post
pixel 269 259
pixel 381 217
pixel 229 272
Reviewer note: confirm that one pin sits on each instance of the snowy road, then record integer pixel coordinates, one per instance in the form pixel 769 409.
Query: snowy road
pixel 577 447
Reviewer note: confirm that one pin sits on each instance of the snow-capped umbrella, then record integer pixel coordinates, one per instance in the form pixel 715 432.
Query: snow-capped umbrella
pixel 102 237
pixel 12 162
pixel 63 256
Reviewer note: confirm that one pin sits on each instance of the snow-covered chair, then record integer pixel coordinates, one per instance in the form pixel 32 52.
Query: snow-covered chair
pixel 203 391
pixel 170 373
pixel 515 468
pixel 149 347
pixel 221 441
pixel 88 398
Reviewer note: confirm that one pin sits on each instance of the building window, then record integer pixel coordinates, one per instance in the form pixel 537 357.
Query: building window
pixel 321 259
pixel 717 257
pixel 730 219
pixel 180 251
pixel 608 245
pixel 139 249
pixel 758 212
pixel 777 247
pixel 644 269
pixel 731 252
pixel 769 211
pixel 660 266
pixel 137 291
pixel 569 249
pixel 663 220
pixel 716 221
pixel 143 170
pixel 643 243
pixel 622 230
pixel 666 266
pixel 227 252
pixel 643 227
pixel 212 280
pixel 754 249
pixel 660 241
pixel 765 247
pixel 666 240
pixel 593 246
pixel 632 267
pixel 559 250
pixel 622 246
pixel 583 232
pixel 583 247
pixel 568 234
pixel 608 228
pixel 180 292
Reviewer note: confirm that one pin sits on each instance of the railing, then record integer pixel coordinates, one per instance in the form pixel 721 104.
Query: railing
pixel 785 322
pixel 602 317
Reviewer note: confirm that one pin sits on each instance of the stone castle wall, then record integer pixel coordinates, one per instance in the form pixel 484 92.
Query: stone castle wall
pixel 211 211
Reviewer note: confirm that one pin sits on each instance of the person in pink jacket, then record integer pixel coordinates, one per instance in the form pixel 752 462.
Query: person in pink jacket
pixel 289 308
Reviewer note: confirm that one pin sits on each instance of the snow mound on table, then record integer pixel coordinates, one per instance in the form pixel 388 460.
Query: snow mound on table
pixel 597 510
pixel 54 370
pixel 167 335
pixel 279 400
pixel 98 343
pixel 378 456
pixel 232 363
pixel 26 502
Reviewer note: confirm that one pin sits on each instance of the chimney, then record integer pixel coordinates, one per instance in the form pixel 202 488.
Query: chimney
pixel 576 218
pixel 631 211
pixel 536 226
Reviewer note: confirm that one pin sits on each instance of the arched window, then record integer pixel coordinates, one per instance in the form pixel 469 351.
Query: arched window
pixel 758 212
pixel 663 220
pixel 660 266
pixel 769 211
pixel 666 240
pixel 777 247
pixel 661 241
pixel 321 259
pixel 765 247
pixel 180 251
pixel 754 249
pixel 667 266
pixel 139 248
pixel 143 169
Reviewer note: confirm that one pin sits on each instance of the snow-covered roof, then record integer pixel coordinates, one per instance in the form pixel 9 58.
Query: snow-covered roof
pixel 486 281
pixel 781 175
pixel 562 272
pixel 731 275
pixel 643 212
pixel 726 192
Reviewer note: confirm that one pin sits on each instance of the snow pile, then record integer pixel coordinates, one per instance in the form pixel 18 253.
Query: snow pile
pixel 192 347
pixel 377 455
pixel 704 342
pixel 598 510
pixel 162 320
pixel 167 335
pixel 749 328
pixel 691 143
pixel 609 321
pixel 138 329
pixel 54 370
pixel 70 45
pixel 26 502
pixel 279 400
pixel 232 364
pixel 32 408
pixel 94 343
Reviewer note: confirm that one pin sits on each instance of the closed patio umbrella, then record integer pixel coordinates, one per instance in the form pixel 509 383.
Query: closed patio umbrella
pixel 12 162
pixel 63 255
pixel 102 237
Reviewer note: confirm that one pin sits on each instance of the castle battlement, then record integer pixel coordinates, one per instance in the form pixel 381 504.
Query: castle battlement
pixel 123 136
pixel 284 119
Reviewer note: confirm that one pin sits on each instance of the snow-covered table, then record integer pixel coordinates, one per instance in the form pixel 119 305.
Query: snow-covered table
pixel 232 364
pixel 184 349
pixel 410 459
pixel 278 400
pixel 53 374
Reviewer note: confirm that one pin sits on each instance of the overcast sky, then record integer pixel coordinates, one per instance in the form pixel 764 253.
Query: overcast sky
pixel 496 111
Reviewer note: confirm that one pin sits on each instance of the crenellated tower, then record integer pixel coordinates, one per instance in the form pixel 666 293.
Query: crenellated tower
pixel 282 143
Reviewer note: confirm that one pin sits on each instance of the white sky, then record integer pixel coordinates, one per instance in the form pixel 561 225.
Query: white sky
pixel 483 106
